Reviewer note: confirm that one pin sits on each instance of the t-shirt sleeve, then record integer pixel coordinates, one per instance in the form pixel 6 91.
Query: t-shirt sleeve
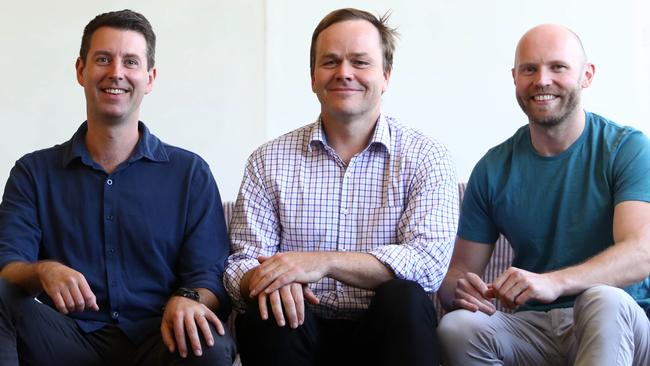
pixel 631 169
pixel 476 222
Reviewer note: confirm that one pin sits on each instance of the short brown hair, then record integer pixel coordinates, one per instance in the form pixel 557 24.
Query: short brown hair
pixel 388 35
pixel 126 20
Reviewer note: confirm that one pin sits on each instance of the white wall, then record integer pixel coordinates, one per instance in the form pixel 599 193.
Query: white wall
pixel 233 74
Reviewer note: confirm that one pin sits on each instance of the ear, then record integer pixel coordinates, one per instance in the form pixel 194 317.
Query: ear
pixel 513 76
pixel 151 78
pixel 79 66
pixel 587 75
pixel 387 75
pixel 313 81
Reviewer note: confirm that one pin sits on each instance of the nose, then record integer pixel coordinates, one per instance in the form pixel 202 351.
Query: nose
pixel 543 77
pixel 116 70
pixel 344 71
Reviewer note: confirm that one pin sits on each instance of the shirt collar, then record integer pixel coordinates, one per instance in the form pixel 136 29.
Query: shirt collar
pixel 148 147
pixel 380 137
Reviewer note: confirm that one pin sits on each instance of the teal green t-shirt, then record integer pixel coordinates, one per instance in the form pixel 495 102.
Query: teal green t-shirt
pixel 558 211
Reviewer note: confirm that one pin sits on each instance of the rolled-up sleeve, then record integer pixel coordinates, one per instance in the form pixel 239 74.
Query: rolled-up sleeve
pixel 427 228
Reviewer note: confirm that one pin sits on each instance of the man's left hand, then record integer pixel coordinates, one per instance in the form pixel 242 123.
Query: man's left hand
pixel 516 286
pixel 185 317
pixel 284 268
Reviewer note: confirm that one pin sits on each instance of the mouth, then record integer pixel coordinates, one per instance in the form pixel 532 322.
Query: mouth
pixel 344 90
pixel 544 97
pixel 115 91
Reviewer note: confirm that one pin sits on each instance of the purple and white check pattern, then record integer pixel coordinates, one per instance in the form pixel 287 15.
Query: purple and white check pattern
pixel 396 200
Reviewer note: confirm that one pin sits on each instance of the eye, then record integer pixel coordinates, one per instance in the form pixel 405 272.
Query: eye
pixel 102 60
pixel 559 67
pixel 131 63
pixel 328 63
pixel 528 70
pixel 360 63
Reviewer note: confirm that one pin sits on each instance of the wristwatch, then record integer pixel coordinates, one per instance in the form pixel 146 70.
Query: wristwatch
pixel 188 293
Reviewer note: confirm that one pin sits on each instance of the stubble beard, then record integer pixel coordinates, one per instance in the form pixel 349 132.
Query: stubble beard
pixel 556 119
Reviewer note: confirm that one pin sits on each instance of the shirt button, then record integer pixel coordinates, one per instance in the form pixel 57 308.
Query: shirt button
pixel 109 182
pixel 109 217
pixel 115 315
pixel 111 251
pixel 344 211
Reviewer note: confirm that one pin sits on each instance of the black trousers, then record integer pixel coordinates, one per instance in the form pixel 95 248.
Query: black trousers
pixel 398 328
pixel 32 333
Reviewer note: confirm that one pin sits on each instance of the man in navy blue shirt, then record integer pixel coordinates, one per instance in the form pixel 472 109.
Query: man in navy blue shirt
pixel 121 237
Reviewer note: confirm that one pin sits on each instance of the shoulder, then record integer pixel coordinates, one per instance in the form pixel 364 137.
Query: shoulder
pixel 409 142
pixel 47 158
pixel 613 136
pixel 503 152
pixel 287 146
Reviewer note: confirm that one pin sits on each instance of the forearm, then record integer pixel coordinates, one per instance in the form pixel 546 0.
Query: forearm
pixel 360 270
pixel 620 265
pixel 23 274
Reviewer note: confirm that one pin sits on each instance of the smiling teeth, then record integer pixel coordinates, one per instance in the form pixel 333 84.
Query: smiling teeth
pixel 115 91
pixel 544 97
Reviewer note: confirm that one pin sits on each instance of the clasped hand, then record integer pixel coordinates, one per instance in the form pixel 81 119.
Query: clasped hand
pixel 281 282
pixel 512 288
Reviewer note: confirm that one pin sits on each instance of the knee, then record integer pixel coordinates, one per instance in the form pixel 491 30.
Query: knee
pixel 222 352
pixel 603 298
pixel 402 302
pixel 460 326
pixel 401 296
pixel 11 294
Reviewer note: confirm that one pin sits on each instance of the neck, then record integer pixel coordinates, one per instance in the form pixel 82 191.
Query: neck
pixel 111 145
pixel 553 140
pixel 348 137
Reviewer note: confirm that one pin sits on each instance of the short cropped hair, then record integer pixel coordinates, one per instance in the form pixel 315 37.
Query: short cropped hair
pixel 124 20
pixel 387 34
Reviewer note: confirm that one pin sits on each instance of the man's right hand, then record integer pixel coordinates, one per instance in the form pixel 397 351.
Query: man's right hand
pixel 67 288
pixel 473 294
pixel 287 304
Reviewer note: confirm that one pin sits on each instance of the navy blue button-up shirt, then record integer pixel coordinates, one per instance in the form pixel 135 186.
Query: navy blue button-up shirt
pixel 154 224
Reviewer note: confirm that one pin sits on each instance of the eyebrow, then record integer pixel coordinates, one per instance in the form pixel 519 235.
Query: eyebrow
pixel 353 54
pixel 107 53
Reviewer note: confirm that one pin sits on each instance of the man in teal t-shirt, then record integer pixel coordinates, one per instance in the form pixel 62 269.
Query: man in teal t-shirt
pixel 571 192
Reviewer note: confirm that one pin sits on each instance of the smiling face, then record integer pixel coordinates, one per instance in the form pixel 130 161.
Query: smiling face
pixel 348 76
pixel 549 74
pixel 114 75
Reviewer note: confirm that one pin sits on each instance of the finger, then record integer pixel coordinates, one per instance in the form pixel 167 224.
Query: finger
pixel 476 282
pixel 58 302
pixel 296 292
pixel 276 308
pixel 289 306
pixel 217 322
pixel 179 334
pixel 475 300
pixel 68 300
pixel 515 291
pixel 523 297
pixel 261 302
pixel 78 302
pixel 309 295
pixel 263 277
pixel 464 304
pixel 263 258
pixel 282 280
pixel 88 295
pixel 204 326
pixel 192 333
pixel 168 338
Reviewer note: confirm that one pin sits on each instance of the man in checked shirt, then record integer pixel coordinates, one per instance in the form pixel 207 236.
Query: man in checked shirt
pixel 354 214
